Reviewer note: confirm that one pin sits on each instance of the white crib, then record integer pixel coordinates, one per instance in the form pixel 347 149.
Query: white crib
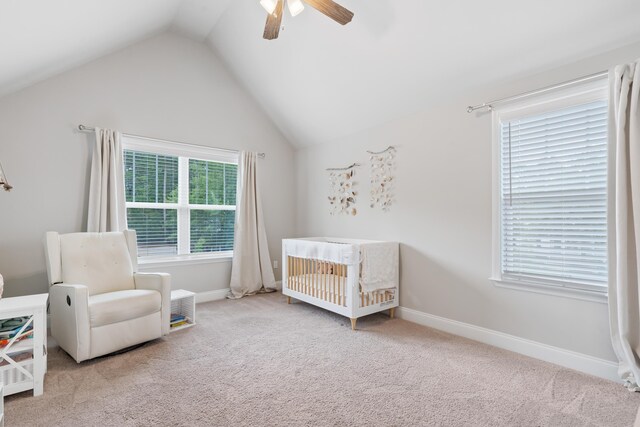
pixel 328 273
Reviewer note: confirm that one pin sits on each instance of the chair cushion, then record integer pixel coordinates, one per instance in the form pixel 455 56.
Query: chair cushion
pixel 100 261
pixel 114 307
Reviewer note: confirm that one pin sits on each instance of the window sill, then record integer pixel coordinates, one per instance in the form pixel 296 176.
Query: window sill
pixel 539 288
pixel 185 260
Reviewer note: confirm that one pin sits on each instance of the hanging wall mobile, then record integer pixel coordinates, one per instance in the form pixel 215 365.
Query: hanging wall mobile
pixel 342 197
pixel 382 164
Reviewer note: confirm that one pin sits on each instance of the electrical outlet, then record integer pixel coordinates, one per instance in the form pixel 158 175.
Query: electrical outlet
pixel 275 263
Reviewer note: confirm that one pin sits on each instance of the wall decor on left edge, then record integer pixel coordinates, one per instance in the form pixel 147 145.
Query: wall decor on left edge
pixel 3 180
pixel 342 190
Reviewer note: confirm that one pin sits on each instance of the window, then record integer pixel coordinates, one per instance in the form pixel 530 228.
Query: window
pixel 180 199
pixel 551 186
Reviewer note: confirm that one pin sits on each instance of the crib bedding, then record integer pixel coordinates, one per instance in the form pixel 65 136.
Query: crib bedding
pixel 379 268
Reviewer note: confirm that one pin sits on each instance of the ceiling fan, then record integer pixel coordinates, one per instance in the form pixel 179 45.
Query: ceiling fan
pixel 275 8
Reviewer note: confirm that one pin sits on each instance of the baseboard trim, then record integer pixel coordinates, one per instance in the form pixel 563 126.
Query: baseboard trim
pixel 219 294
pixel 569 359
pixel 207 296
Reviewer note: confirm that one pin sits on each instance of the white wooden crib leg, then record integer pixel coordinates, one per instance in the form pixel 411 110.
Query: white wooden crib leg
pixel 353 323
pixel 392 312
pixel 288 300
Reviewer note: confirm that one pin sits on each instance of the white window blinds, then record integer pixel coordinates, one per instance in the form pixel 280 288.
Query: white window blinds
pixel 553 197
pixel 151 193
pixel 179 205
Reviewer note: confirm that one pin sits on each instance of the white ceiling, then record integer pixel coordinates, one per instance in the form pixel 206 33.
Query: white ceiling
pixel 319 80
pixel 41 38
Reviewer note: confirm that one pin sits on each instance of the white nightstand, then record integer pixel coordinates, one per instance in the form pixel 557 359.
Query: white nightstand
pixel 183 303
pixel 30 354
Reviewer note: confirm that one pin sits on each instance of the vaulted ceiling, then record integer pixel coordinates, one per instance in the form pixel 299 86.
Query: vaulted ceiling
pixel 319 80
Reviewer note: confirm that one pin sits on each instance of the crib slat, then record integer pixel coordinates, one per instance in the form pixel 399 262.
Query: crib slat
pixel 306 276
pixel 309 285
pixel 299 276
pixel 333 284
pixel 314 276
pixel 338 278
pixel 339 284
pixel 318 274
pixel 342 285
pixel 294 275
pixel 321 279
pixel 310 276
pixel 338 291
pixel 334 277
pixel 324 282
pixel 327 292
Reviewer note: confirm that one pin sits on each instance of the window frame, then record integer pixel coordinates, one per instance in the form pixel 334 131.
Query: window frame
pixel 535 105
pixel 183 152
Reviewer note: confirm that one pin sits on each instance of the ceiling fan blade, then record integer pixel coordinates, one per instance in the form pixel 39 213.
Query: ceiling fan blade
pixel 332 9
pixel 272 27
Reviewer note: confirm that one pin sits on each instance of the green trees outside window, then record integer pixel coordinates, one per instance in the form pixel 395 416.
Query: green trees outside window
pixel 173 217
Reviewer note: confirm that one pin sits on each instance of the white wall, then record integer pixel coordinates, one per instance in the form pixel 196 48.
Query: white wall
pixel 442 217
pixel 166 87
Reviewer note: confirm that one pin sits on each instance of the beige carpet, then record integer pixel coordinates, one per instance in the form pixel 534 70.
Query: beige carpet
pixel 258 361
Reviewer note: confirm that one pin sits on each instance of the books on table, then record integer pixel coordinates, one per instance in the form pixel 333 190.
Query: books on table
pixel 178 320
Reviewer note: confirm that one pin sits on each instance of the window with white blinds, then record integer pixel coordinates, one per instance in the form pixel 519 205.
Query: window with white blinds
pixel 180 199
pixel 553 196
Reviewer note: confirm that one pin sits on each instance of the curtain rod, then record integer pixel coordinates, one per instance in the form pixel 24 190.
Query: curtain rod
pixel 84 128
pixel 489 105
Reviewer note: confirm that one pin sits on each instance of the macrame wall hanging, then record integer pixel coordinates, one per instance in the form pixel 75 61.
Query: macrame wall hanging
pixel 382 167
pixel 342 196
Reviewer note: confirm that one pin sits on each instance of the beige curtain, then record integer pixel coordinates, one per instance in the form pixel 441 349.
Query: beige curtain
pixel 107 211
pixel 624 219
pixel 251 271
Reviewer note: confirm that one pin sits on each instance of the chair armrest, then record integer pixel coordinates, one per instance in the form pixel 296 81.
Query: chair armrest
pixel 160 282
pixel 70 324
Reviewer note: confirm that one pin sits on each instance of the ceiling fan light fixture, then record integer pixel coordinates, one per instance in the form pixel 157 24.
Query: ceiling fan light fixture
pixel 295 7
pixel 268 5
pixel 274 20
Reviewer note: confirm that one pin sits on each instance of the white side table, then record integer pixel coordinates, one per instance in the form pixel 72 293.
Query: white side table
pixel 25 373
pixel 183 303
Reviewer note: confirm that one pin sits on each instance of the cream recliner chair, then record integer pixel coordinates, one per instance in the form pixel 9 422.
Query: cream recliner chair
pixel 99 303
